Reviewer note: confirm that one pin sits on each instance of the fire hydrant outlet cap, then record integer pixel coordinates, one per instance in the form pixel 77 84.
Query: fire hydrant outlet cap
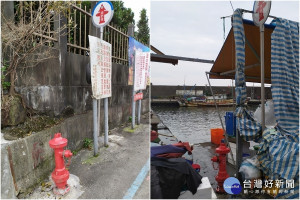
pixel 68 153
pixel 58 141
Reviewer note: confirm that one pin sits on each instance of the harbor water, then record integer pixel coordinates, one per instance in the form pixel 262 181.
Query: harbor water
pixel 191 124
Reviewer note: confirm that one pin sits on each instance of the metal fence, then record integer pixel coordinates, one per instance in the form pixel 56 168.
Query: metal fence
pixel 78 28
pixel 27 11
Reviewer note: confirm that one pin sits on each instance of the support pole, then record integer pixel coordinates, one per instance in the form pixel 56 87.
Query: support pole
pixel 95 122
pixel 220 118
pixel 106 122
pixel 98 104
pixel 133 102
pixel 139 112
pixel 262 72
pixel 239 153
pixel 133 111
pixel 99 100
pixel 98 116
pixel 105 107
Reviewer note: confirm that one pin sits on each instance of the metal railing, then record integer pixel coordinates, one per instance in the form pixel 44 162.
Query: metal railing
pixel 28 10
pixel 78 28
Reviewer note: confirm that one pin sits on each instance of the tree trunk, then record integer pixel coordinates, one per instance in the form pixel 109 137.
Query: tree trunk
pixel 12 76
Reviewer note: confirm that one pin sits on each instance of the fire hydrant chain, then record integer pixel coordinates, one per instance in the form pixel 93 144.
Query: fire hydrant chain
pixel 215 168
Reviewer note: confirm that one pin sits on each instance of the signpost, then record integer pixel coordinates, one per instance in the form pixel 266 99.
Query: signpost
pixel 100 55
pixel 138 96
pixel 133 101
pixel 141 62
pixel 261 11
pixel 140 72
pixel 102 13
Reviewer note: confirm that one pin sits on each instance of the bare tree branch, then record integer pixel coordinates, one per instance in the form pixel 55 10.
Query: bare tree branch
pixel 24 37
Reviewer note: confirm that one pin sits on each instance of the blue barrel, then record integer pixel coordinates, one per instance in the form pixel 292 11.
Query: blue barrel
pixel 230 121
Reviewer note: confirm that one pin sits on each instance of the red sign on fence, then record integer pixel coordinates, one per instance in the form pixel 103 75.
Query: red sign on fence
pixel 138 96
pixel 102 13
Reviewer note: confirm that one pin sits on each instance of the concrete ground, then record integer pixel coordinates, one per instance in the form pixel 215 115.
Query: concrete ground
pixel 202 154
pixel 144 190
pixel 112 174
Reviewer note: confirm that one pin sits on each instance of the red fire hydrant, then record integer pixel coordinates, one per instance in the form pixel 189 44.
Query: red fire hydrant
pixel 222 175
pixel 60 175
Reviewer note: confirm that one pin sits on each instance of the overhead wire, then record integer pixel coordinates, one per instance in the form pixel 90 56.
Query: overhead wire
pixel 231 6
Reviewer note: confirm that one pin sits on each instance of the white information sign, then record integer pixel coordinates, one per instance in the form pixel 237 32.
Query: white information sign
pixel 100 59
pixel 261 11
pixel 141 70
pixel 147 70
pixel 102 13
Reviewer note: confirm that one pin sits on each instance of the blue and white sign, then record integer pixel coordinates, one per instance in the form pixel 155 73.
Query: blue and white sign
pixel 102 13
pixel 261 11
pixel 232 186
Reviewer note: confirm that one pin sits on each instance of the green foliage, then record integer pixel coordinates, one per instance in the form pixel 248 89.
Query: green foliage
pixel 130 119
pixel 4 84
pixel 31 125
pixel 143 34
pixel 74 152
pixel 87 143
pixel 84 3
pixel 122 16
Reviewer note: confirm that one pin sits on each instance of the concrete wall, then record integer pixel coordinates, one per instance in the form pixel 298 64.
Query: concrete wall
pixel 31 159
pixel 47 90
pixel 28 161
pixel 162 91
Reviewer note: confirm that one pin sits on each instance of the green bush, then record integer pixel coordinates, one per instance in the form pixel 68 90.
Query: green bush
pixel 87 143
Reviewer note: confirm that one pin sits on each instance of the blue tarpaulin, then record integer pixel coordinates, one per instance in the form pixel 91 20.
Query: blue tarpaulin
pixel 279 151
pixel 279 147
pixel 247 127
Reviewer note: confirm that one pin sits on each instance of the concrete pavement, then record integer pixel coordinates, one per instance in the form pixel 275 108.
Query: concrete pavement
pixel 112 174
pixel 144 190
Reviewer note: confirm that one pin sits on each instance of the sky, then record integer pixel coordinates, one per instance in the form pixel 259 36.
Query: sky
pixel 136 6
pixel 194 29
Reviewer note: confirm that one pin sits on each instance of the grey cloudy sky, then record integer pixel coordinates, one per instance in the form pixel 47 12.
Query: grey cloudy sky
pixel 136 6
pixel 194 29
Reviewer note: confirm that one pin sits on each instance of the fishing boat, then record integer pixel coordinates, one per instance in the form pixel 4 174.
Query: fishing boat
pixel 196 102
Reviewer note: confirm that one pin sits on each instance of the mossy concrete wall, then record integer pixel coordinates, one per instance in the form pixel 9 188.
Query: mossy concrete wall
pixel 28 161
pixel 31 160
